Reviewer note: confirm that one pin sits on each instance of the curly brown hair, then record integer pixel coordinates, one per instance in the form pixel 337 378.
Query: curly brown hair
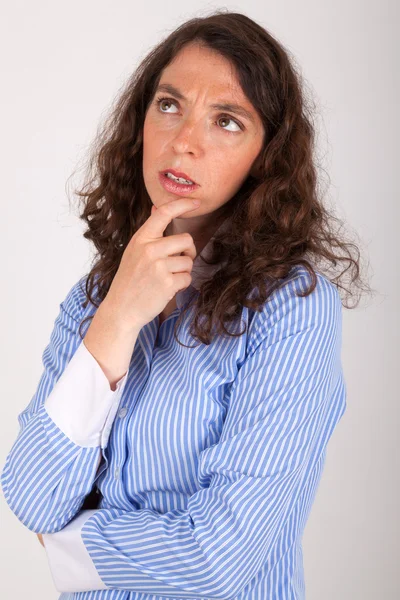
pixel 278 219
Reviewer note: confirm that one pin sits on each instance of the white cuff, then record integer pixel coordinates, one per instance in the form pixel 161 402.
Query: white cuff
pixel 71 566
pixel 81 403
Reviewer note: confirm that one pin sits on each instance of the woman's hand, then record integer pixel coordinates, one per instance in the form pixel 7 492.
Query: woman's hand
pixel 152 269
pixel 40 538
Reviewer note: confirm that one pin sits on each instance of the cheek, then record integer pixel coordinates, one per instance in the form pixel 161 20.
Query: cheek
pixel 150 145
pixel 228 172
pixel 221 185
pixel 226 177
pixel 154 140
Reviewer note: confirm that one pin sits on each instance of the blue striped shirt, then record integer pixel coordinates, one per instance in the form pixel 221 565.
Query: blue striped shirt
pixel 211 459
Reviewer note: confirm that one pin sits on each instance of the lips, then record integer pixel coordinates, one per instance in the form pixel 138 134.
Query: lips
pixel 175 187
pixel 179 174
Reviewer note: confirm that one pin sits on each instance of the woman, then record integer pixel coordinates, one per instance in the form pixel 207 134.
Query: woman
pixel 204 458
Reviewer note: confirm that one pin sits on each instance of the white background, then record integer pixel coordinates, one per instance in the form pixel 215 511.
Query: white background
pixel 62 64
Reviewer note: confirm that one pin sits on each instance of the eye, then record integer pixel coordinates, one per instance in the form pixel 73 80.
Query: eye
pixel 227 118
pixel 160 100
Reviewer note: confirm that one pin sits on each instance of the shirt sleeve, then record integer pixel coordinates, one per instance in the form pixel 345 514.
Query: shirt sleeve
pixel 82 403
pixel 284 404
pixel 53 462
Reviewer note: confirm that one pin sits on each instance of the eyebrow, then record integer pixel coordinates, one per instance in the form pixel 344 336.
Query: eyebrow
pixel 229 106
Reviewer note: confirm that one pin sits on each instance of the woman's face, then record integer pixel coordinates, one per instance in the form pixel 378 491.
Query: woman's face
pixel 216 148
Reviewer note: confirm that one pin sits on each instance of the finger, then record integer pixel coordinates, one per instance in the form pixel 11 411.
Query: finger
pixel 178 264
pixel 172 245
pixel 154 227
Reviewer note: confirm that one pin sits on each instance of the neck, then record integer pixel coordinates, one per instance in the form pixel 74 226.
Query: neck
pixel 201 228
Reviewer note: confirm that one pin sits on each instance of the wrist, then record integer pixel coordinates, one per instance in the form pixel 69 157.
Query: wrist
pixel 110 316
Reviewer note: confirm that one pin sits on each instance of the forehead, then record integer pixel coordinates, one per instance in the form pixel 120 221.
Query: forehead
pixel 198 65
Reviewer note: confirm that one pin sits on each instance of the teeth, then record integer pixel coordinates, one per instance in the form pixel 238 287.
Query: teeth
pixel 179 179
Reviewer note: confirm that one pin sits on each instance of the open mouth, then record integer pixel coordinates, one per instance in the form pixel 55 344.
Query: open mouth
pixel 178 176
pixel 170 184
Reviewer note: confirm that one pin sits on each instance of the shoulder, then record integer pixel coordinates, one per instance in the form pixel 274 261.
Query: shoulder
pixel 286 312
pixel 288 297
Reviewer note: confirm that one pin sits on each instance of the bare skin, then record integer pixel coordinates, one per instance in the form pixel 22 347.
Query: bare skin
pixel 171 306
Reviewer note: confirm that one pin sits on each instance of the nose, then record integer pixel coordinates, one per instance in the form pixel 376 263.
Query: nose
pixel 187 137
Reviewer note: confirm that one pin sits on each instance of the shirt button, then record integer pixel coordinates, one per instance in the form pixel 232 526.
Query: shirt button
pixel 116 473
pixel 122 412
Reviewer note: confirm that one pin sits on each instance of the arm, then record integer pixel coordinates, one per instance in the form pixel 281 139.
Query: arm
pixel 52 465
pixel 287 398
